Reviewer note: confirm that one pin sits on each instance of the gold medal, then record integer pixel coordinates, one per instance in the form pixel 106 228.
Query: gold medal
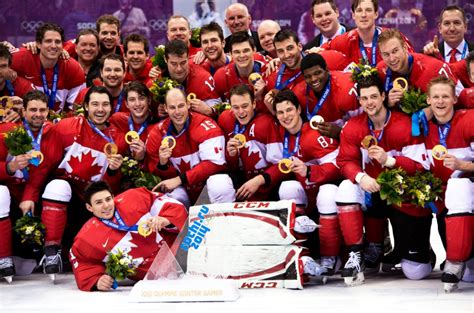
pixel 439 151
pixel 144 230
pixel 368 141
pixel 253 78
pixel 169 141
pixel 315 120
pixel 37 155
pixel 401 84
pixel 2 112
pixel 284 166
pixel 110 148
pixel 191 96
pixel 241 139
pixel 130 136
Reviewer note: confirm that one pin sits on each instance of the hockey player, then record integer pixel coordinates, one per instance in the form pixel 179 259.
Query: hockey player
pixel 61 80
pixel 114 226
pixel 257 152
pixel 112 73
pixel 418 69
pixel 395 147
pixel 313 163
pixel 187 151
pixel 85 149
pixel 136 54
pixel 16 88
pixel 12 168
pixel 453 130
pixel 361 42
pixel 139 120
pixel 212 44
pixel 329 94
pixel 194 79
pixel 243 64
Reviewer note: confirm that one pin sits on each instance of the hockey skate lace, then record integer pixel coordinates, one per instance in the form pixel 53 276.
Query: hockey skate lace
pixel 328 262
pixel 353 261
pixel 54 259
pixel 6 262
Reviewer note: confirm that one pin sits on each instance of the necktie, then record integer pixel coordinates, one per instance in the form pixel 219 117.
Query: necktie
pixel 452 58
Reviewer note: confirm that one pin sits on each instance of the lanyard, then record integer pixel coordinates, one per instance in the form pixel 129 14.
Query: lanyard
pixel 36 142
pixel 171 128
pixel 98 131
pixel 119 102
pixel 371 126
pixel 388 77
pixel 286 144
pixel 212 70
pixel 443 131
pixel 132 128
pixel 279 85
pixel 463 53
pixel 373 62
pixel 256 69
pixel 121 224
pixel 321 101
pixel 54 88
pixel 11 90
pixel 342 30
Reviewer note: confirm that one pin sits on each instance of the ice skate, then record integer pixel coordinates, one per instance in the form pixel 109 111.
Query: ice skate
pixel 353 272
pixel 52 262
pixel 373 254
pixel 330 264
pixel 7 269
pixel 390 263
pixel 313 268
pixel 453 272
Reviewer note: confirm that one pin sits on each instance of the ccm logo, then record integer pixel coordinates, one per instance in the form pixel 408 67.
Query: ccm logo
pixel 251 205
pixel 260 284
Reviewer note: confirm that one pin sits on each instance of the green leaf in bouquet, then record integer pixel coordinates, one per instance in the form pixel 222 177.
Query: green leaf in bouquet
pixel 17 141
pixel 412 101
pixel 159 58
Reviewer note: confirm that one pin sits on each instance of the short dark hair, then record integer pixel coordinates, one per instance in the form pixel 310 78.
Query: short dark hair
pixel 240 37
pixel 313 59
pixel 138 87
pixel 136 38
pixel 453 8
pixel 331 3
pixel 286 95
pixel 107 19
pixel 241 90
pixel 285 34
pixel 356 3
pixel 49 27
pixel 87 31
pixel 176 47
pixel 5 54
pixel 369 81
pixel 96 89
pixel 94 188
pixel 112 56
pixel 34 95
pixel 212 27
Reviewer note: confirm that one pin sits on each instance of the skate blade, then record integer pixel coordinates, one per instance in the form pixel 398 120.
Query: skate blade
pixel 449 287
pixel 9 279
pixel 53 278
pixel 354 281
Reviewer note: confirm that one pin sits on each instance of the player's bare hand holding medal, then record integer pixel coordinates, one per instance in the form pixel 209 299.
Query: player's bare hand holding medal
pixel 166 149
pixel 114 159
pixel 137 146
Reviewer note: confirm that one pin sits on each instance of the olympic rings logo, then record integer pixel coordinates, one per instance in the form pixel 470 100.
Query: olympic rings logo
pixel 31 26
pixel 158 24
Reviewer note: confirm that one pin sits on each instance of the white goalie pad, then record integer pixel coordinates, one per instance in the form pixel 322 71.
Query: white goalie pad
pixel 239 224
pixel 252 266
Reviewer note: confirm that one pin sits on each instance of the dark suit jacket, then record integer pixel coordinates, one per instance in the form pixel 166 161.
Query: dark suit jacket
pixel 258 47
pixel 470 47
pixel 316 40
